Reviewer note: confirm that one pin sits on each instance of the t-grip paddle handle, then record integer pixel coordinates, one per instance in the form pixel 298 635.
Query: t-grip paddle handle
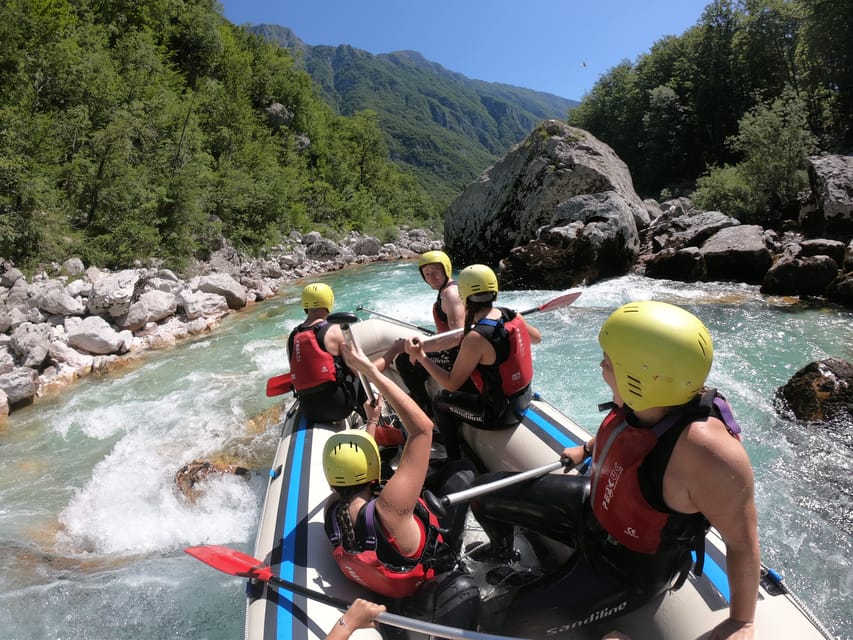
pixel 345 319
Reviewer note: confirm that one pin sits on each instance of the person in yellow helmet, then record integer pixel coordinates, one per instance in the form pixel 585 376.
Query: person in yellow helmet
pixel 384 536
pixel 448 313
pixel 667 463
pixel 327 389
pixel 495 353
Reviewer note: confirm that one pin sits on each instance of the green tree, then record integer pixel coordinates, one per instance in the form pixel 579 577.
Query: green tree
pixel 774 142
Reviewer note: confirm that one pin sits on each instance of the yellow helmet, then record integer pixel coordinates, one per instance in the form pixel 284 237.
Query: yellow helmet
pixel 435 257
pixel 661 353
pixel 476 280
pixel 318 296
pixel 351 457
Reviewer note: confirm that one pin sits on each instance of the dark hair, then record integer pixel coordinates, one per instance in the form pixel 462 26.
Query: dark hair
pixel 471 309
pixel 346 494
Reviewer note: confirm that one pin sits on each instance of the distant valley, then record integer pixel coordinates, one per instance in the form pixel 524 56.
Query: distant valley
pixel 442 126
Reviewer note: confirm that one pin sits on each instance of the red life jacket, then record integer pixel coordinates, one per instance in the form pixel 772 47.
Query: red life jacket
pixel 618 493
pixel 438 314
pixel 512 370
pixel 310 364
pixel 393 575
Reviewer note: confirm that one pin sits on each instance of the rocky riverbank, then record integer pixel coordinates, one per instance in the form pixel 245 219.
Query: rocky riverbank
pixel 69 321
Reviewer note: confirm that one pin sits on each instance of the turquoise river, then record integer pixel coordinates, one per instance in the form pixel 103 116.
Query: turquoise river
pixel 92 529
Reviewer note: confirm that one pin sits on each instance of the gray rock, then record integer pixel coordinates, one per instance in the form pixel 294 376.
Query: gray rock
pixel 151 306
pixel 19 385
pixel 31 343
pixel 831 180
pixel 112 294
pixel 809 276
pixel 737 254
pixel 197 304
pixel 73 267
pixel 558 175
pixel 224 285
pixel 94 335
pixel 54 299
pixel 64 354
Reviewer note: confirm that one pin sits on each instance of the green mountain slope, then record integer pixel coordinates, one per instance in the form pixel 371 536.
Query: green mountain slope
pixel 441 125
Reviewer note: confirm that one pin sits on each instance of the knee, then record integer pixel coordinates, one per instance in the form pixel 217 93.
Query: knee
pixel 457 600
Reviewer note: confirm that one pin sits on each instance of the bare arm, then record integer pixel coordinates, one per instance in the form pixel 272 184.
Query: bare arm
pixel 396 503
pixel 718 481
pixel 361 615
pixel 452 305
pixel 471 352
pixel 533 332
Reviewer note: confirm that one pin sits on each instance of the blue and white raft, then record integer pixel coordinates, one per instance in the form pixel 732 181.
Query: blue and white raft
pixel 291 537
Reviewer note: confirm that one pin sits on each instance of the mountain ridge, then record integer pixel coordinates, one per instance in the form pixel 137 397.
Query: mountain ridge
pixel 441 125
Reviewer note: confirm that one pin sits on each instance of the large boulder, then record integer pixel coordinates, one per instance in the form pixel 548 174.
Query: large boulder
pixel 560 177
pixel 594 238
pixel 737 254
pixel 224 285
pixel 31 343
pixel 112 294
pixel 94 335
pixel 831 180
pixel 796 276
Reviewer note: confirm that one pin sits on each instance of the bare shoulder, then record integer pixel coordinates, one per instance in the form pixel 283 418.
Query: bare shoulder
pixel 707 449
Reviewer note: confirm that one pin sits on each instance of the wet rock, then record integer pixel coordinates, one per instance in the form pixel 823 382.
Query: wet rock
pixel 191 475
pixel 820 391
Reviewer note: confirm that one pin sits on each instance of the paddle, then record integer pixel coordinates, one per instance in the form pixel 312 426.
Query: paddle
pixel 236 563
pixel 438 505
pixel 344 319
pixel 552 305
pixel 279 384
pixel 402 323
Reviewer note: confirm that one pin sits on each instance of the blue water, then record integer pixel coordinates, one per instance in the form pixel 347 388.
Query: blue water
pixel 92 528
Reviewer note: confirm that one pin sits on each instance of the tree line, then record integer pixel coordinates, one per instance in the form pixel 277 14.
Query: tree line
pixel 728 111
pixel 138 129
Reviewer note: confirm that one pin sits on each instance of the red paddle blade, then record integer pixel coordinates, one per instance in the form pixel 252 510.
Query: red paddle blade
pixel 231 561
pixel 561 301
pixel 278 385
pixel 557 303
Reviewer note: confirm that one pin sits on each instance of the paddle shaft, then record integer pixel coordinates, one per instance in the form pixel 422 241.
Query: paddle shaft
pixel 439 505
pixel 350 336
pixel 237 563
pixel 392 619
pixel 402 323
pixel 556 303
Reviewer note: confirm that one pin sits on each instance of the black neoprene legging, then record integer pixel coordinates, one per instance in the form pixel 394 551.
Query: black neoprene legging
pixel 584 596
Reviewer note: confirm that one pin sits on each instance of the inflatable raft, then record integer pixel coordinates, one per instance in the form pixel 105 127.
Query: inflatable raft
pixel 292 541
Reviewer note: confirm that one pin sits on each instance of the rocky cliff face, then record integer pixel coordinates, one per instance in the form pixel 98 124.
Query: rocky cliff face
pixel 557 210
pixel 560 210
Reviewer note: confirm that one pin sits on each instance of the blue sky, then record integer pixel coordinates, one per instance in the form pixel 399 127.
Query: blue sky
pixel 558 46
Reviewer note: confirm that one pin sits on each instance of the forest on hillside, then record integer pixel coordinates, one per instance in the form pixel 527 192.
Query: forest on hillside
pixel 133 130
pixel 139 129
pixel 733 106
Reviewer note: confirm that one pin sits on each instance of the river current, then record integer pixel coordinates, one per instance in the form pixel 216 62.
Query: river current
pixel 92 528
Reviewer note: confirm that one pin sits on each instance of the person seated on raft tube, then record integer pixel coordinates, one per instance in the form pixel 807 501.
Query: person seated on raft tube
pixel 448 313
pixel 383 535
pixel 494 353
pixel 327 389
pixel 667 461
